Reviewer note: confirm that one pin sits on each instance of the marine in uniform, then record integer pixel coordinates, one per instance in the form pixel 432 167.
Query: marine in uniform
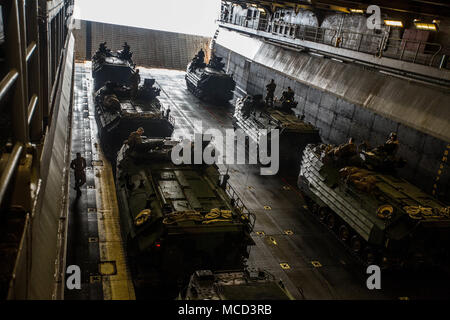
pixel 79 166
pixel 135 81
pixel 135 138
pixel 126 53
pixel 270 92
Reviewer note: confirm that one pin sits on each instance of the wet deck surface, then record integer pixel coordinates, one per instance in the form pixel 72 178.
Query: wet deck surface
pixel 290 243
pixel 94 240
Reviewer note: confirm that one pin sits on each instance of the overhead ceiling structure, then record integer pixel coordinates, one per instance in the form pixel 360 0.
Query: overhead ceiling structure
pixel 419 8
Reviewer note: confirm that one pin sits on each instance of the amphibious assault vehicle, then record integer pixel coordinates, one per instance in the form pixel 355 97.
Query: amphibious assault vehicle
pixel 381 218
pixel 117 67
pixel 209 82
pixel 252 115
pixel 118 113
pixel 177 219
pixel 249 284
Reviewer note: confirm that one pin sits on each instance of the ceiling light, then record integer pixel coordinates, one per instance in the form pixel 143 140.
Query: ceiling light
pixel 426 26
pixel 393 23
pixel 357 10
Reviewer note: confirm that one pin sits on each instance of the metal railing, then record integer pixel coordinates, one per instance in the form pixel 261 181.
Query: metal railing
pixel 171 120
pixel 29 54
pixel 9 170
pixel 16 86
pixel 23 89
pixel 7 83
pixel 240 206
pixel 418 52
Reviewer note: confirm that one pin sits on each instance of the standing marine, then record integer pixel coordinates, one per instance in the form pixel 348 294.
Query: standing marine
pixel 198 61
pixel 225 180
pixel 79 166
pixel 126 53
pixel 201 55
pixel 270 92
pixel 135 80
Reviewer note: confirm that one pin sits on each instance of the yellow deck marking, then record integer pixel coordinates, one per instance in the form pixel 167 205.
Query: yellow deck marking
pixel 273 241
pixel 285 266
pixel 289 232
pixel 316 264
pixel 260 233
pixel 107 268
pixel 117 284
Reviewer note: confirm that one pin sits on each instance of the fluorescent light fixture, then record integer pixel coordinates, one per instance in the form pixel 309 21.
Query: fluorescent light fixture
pixel 426 26
pixel 357 10
pixel 393 23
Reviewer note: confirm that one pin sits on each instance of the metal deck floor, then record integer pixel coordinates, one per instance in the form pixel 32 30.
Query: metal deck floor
pixel 288 239
pixel 94 240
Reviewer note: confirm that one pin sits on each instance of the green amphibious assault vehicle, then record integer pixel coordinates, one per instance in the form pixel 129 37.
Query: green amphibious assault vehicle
pixel 118 113
pixel 117 67
pixel 383 219
pixel 177 219
pixel 252 115
pixel 249 284
pixel 209 82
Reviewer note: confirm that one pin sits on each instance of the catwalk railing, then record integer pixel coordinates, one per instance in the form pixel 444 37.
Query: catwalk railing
pixel 239 204
pixel 32 39
pixel 380 45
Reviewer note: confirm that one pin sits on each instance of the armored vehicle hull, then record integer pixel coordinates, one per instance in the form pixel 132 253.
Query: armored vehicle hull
pixel 118 114
pixel 234 285
pixel 176 219
pixel 380 218
pixel 210 85
pixel 295 134
pixel 112 69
